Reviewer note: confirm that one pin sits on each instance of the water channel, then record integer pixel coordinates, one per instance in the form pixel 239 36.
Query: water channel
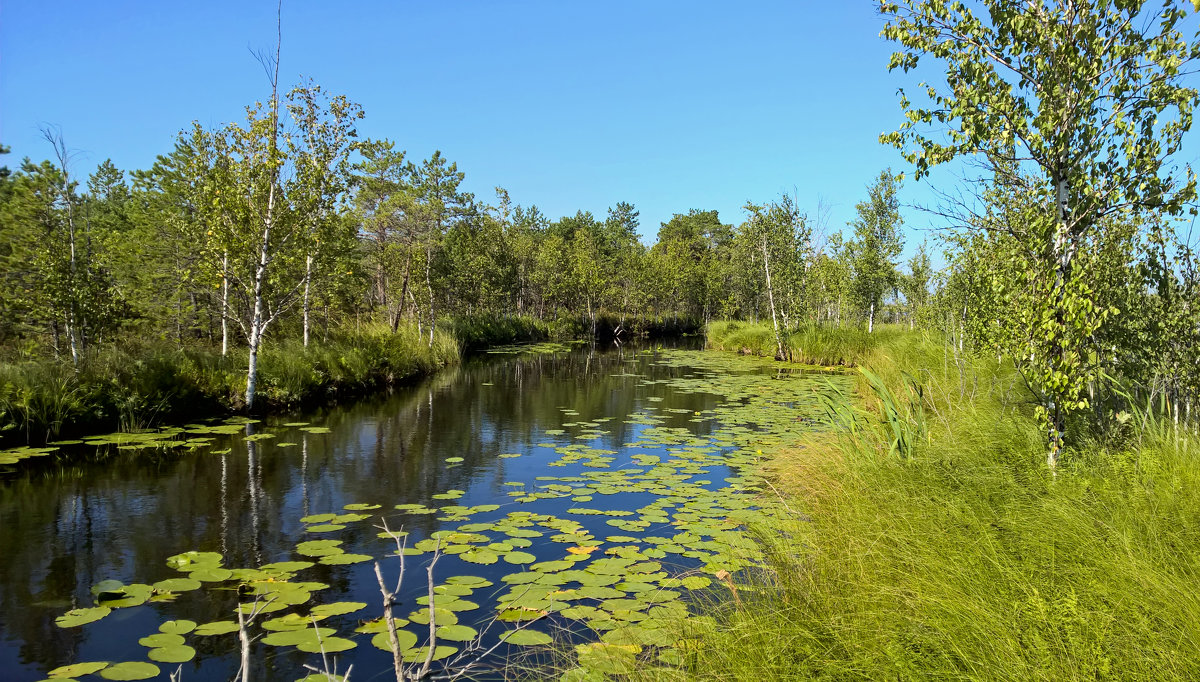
pixel 584 494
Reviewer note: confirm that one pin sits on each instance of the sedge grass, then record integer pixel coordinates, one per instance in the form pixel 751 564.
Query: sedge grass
pixel 968 560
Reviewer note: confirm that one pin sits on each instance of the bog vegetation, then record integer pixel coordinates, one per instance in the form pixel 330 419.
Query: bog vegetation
pixel 1011 493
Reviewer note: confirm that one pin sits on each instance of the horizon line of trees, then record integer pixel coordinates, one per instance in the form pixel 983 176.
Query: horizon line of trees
pixel 287 224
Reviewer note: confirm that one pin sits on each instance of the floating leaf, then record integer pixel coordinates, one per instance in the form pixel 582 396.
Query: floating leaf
pixel 220 627
pixel 404 639
pixel 78 617
pixel 77 669
pixel 130 670
pixel 344 559
pixel 325 528
pixel 419 654
pixel 329 645
pixel 337 608
pixel 519 558
pixel 172 654
pixel 160 640
pixel 297 637
pixel 480 556
pixel 177 627
pixel 526 637
pixel 457 633
pixel 176 585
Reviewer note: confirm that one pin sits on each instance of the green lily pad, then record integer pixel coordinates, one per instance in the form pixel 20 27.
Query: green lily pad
pixel 176 585
pixel 519 558
pixel 526 637
pixel 77 669
pixel 172 654
pixel 319 547
pixel 177 627
pixel 439 652
pixel 329 645
pixel 219 627
pixel 78 617
pixel 344 559
pixel 337 608
pixel 404 639
pixel 297 637
pixel 130 670
pixel 457 633
pixel 325 528
pixel 480 556
pixel 160 640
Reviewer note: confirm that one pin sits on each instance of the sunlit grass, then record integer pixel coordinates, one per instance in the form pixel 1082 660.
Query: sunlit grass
pixel 969 560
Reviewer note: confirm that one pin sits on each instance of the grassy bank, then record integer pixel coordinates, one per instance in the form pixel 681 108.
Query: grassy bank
pixel 821 345
pixel 958 556
pixel 132 384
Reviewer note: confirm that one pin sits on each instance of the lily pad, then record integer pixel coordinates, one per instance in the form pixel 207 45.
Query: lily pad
pixel 526 637
pixel 177 627
pixel 78 617
pixel 457 633
pixel 173 654
pixel 219 627
pixel 130 670
pixel 337 608
pixel 77 669
pixel 404 639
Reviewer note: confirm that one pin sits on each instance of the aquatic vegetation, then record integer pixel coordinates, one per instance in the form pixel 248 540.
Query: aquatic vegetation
pixel 617 541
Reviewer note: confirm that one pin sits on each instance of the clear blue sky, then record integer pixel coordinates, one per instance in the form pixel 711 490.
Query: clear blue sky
pixel 568 105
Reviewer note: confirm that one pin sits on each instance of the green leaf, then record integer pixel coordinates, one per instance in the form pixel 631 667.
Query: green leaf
pixel 526 637
pixel 78 669
pixel 131 670
pixel 78 617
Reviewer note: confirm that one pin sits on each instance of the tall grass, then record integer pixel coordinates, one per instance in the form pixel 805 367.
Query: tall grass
pixel 967 559
pixel 134 384
pixel 812 345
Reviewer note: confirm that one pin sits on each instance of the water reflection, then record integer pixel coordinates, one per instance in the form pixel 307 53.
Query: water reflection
pixel 63 529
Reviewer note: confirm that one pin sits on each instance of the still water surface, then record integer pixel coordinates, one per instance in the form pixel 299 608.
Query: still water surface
pixel 64 528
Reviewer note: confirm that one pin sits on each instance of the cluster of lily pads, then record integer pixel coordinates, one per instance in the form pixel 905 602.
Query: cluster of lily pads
pixel 622 574
pixel 188 437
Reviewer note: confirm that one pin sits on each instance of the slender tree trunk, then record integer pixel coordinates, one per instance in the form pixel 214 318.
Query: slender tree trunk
pixel 771 300
pixel 258 316
pixel 871 319
pixel 1063 253
pixel 225 304
pixel 308 262
pixel 429 287
pixel 399 312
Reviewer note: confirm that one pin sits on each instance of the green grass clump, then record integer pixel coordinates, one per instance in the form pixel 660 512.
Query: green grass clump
pixel 482 331
pixel 967 559
pixel 134 383
pixel 811 345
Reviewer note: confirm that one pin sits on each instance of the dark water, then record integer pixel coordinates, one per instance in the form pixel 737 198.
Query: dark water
pixel 64 528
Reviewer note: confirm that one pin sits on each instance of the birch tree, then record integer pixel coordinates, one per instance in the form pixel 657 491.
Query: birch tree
pixel 1081 105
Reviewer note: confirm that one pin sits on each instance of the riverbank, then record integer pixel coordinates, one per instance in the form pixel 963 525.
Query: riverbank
pixel 821 345
pixel 135 384
pixel 956 554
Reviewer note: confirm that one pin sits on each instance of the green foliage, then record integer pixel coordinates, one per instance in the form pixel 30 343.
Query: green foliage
pixel 1076 112
pixel 876 245
pixel 968 560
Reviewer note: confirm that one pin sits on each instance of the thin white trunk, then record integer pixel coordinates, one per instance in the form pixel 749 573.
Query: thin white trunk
pixel 871 319
pixel 258 322
pixel 225 304
pixel 308 262
pixel 771 300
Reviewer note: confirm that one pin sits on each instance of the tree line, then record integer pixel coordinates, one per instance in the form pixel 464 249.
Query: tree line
pixel 287 223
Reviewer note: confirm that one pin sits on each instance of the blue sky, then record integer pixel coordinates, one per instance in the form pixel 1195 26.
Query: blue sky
pixel 568 105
